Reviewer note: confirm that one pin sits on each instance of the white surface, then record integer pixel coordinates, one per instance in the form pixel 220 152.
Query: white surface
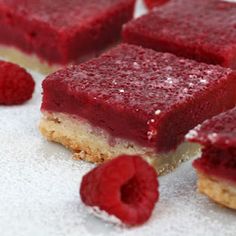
pixel 39 189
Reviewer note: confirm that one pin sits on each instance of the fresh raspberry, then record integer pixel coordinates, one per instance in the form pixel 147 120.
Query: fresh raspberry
pixel 154 3
pixel 126 187
pixel 16 85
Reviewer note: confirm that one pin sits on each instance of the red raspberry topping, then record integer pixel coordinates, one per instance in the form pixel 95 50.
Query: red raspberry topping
pixel 16 85
pixel 126 187
pixel 153 3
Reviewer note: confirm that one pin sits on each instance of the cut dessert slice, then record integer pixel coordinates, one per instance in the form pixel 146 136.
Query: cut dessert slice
pixel 132 100
pixel 46 35
pixel 201 30
pixel 217 166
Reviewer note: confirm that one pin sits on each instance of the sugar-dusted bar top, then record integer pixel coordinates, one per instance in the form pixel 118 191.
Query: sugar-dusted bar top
pixel 201 30
pixel 138 94
pixel 62 31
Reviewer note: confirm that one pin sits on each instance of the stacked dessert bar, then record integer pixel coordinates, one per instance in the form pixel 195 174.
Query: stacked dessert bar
pixel 131 99
pixel 203 30
pixel 216 167
pixel 46 35
pixel 135 101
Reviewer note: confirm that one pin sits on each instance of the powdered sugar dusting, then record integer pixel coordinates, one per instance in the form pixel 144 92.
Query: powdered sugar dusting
pixel 105 216
pixel 213 137
pixel 193 133
pixel 203 81
pixel 219 131
pixel 157 112
pixel 39 189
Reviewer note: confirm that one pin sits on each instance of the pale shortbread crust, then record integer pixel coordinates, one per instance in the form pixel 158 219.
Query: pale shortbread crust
pixel 92 144
pixel 220 191
pixel 30 61
pixel 33 62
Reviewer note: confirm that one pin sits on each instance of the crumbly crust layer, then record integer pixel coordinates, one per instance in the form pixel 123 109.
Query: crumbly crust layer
pixel 26 60
pixel 95 145
pixel 220 191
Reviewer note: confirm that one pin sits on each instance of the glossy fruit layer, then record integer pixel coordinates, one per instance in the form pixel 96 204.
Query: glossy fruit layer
pixel 218 137
pixel 154 3
pixel 220 131
pixel 62 31
pixel 219 163
pixel 201 30
pixel 151 98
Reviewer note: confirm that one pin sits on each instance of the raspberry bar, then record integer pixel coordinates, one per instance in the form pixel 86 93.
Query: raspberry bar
pixel 217 166
pixel 46 35
pixel 201 30
pixel 132 100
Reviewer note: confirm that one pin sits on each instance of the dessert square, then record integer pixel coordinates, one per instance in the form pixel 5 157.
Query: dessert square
pixel 47 35
pixel 216 167
pixel 132 100
pixel 201 30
